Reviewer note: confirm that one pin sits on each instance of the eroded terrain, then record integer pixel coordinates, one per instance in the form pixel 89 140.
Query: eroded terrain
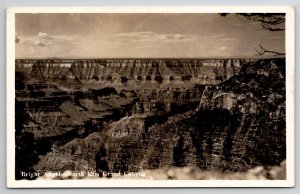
pixel 223 115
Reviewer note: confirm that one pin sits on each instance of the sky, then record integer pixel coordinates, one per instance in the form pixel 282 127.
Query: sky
pixel 141 35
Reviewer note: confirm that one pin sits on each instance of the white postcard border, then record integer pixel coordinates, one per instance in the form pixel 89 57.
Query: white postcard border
pixel 290 101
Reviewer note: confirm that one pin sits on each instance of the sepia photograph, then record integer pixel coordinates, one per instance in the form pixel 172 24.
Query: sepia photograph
pixel 150 97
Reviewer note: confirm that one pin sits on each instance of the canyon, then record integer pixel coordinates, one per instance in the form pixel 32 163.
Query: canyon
pixel 224 115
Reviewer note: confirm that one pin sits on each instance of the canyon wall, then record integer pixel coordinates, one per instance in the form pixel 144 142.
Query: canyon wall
pixel 138 71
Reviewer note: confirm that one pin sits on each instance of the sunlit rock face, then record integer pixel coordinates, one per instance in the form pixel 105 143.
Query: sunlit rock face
pixel 137 72
pixel 218 114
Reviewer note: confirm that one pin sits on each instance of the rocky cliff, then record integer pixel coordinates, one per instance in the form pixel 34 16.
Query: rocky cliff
pixel 137 72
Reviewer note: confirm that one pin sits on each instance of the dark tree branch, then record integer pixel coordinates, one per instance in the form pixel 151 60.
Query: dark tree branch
pixel 263 51
pixel 269 21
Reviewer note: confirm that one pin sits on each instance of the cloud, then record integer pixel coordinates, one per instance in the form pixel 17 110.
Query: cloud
pixel 225 48
pixel 43 44
pixel 274 37
pixel 44 35
pixel 229 39
pixel 175 36
pixel 43 40
pixel 147 36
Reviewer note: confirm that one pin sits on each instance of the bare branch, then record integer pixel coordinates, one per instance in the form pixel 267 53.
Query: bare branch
pixel 269 21
pixel 263 51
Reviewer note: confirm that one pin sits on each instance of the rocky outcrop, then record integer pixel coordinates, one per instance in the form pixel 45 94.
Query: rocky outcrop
pixel 180 173
pixel 239 123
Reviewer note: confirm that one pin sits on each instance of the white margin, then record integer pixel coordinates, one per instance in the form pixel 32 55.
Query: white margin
pixel 290 92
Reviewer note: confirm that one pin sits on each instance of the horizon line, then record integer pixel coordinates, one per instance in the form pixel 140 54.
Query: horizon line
pixel 144 58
